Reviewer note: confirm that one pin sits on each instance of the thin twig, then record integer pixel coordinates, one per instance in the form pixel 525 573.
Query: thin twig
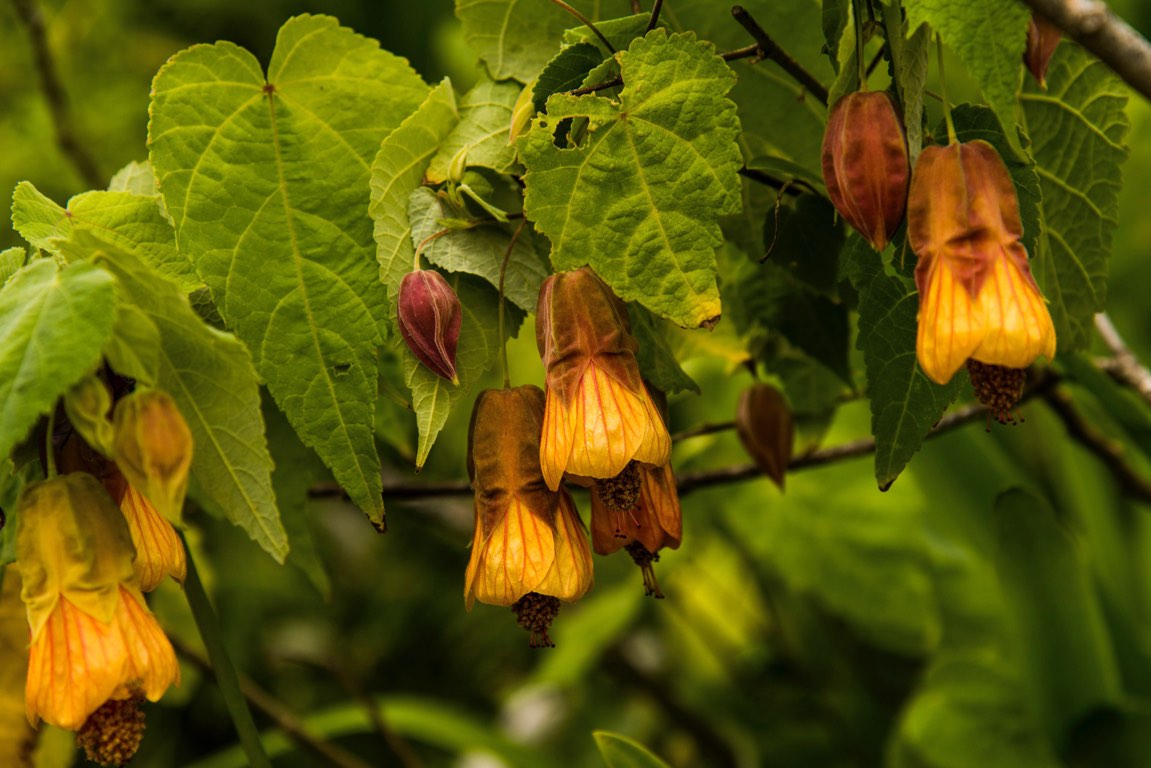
pixel 1092 24
pixel 1125 367
pixel 614 82
pixel 32 17
pixel 747 52
pixel 1106 450
pixel 654 20
pixel 587 23
pixel 272 708
pixel 787 187
pixel 703 429
pixel 772 50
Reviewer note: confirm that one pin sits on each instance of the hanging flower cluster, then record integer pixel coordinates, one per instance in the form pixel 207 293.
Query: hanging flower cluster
pixel 979 304
pixel 90 543
pixel 597 425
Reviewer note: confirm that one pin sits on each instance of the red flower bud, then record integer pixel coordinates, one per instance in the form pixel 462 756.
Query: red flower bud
pixel 1042 39
pixel 865 164
pixel 430 321
pixel 765 426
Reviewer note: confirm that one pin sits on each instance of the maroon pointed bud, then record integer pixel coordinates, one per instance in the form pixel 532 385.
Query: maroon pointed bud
pixel 430 321
pixel 865 164
pixel 1042 39
pixel 766 428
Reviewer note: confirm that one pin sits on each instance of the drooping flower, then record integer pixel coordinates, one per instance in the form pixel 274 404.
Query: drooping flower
pixel 638 511
pixel 599 415
pixel 17 737
pixel 159 551
pixel 153 448
pixel 530 547
pixel 93 639
pixel 865 164
pixel 977 297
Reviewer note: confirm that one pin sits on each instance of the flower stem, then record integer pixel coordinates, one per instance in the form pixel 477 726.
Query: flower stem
pixel 587 23
pixel 226 675
pixel 951 137
pixel 859 45
pixel 49 448
pixel 503 300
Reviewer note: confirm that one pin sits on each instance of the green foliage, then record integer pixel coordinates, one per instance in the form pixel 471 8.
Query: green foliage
pixel 515 38
pixel 663 220
pixel 989 37
pixel 54 323
pixel 211 378
pixel 251 167
pixel 482 132
pixel 1077 128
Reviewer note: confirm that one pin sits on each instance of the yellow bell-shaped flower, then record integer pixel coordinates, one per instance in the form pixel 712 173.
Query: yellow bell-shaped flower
pixel 93 638
pixel 599 415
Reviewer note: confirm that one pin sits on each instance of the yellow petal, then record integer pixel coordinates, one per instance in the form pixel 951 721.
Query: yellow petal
pixel 1019 326
pixel 613 425
pixel 556 439
pixel 159 551
pixel 570 575
pixel 950 325
pixel 78 662
pixel 515 557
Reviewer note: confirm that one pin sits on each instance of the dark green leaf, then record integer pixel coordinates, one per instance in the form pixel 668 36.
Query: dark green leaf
pixel 565 72
pixel 619 751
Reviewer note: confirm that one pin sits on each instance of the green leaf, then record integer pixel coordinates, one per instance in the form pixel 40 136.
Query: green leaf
pixel 618 751
pixel 653 236
pixel 211 378
pixel 836 16
pixel 619 32
pixel 135 347
pixel 482 132
pixel 515 38
pixel 1054 615
pixel 910 56
pixel 434 397
pixel 805 239
pixel 11 259
pixel 847 53
pixel 137 224
pixel 657 361
pixel 904 402
pixel 969 711
pixel 137 178
pixel 565 72
pixel 1077 130
pixel 989 37
pixel 765 92
pixel 54 323
pixel 267 182
pixel 397 171
pixel 478 250
pixel 37 218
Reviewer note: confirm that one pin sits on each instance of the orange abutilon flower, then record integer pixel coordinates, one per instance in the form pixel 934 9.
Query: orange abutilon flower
pixel 599 415
pixel 530 547
pixel 93 639
pixel 977 297
pixel 159 551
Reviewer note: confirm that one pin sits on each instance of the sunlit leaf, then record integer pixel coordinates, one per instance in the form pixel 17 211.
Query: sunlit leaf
pixel 267 182
pixel 1077 129
pixel 653 235
pixel 54 323
pixel 482 132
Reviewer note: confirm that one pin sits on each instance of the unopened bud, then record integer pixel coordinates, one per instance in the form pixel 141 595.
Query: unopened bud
pixel 88 405
pixel 430 321
pixel 865 164
pixel 153 448
pixel 522 112
pixel 1042 39
pixel 457 165
pixel 766 429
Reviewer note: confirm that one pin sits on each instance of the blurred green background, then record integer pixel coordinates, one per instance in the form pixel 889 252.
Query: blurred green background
pixel 938 624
